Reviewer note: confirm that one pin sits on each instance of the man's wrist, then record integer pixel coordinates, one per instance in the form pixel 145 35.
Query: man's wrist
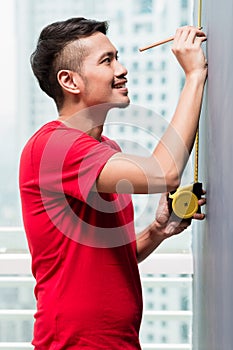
pixel 197 77
pixel 157 231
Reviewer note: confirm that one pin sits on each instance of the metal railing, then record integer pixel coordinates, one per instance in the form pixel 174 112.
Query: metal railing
pixel 15 270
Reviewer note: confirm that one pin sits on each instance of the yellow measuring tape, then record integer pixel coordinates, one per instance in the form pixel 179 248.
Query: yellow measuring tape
pixel 184 201
pixel 197 134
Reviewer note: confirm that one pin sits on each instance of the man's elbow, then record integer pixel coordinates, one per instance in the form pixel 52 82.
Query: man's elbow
pixel 172 181
pixel 166 183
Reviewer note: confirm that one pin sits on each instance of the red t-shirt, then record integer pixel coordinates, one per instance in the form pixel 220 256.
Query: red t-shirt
pixel 82 244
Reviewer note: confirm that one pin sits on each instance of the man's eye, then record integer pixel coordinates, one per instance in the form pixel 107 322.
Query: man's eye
pixel 107 59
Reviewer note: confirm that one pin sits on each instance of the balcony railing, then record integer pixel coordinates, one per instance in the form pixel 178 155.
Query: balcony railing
pixel 15 271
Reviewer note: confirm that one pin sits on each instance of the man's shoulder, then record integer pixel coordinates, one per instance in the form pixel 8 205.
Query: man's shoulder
pixel 46 128
pixel 113 144
pixel 43 133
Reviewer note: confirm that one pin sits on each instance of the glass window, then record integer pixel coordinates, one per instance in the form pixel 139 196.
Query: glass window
pixel 163 65
pixel 146 6
pixel 163 96
pixel 163 291
pixel 150 337
pixel 149 97
pixel 149 65
pixel 150 305
pixel 184 330
pixel 135 65
pixel 27 108
pixel 149 81
pixel 135 97
pixel 163 339
pixel 184 4
pixel 163 80
pixel 184 303
pixel 163 306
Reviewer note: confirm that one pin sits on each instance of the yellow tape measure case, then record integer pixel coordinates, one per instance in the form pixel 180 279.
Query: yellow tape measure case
pixel 183 203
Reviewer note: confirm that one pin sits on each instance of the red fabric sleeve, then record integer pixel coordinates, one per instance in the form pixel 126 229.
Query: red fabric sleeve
pixel 72 161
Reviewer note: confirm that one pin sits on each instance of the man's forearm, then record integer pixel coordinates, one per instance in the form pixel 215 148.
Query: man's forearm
pixel 148 240
pixel 175 146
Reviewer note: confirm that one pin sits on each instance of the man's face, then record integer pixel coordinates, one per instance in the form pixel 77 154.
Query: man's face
pixel 103 76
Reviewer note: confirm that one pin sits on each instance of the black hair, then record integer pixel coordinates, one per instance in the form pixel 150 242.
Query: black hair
pixel 50 55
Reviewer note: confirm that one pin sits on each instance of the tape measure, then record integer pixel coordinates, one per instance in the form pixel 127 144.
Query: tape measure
pixel 183 203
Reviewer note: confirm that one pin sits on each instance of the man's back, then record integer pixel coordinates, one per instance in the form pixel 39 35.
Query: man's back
pixel 82 244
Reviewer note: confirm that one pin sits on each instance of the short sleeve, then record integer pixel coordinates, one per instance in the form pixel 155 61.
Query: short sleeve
pixel 72 161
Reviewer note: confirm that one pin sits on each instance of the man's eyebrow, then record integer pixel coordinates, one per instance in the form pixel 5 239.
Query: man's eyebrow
pixel 109 54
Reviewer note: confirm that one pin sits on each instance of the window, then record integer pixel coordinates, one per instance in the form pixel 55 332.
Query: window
pixel 163 65
pixel 150 305
pixel 135 65
pixel 145 6
pixel 121 49
pixel 25 114
pixel 163 291
pixel 163 80
pixel 184 303
pixel 184 4
pixel 150 146
pixel 143 28
pixel 150 337
pixel 149 81
pixel 184 330
pixel 182 82
pixel 163 96
pixel 163 339
pixel 149 97
pixel 135 98
pixel 149 65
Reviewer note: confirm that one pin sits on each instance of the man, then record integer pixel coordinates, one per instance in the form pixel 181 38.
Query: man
pixel 75 188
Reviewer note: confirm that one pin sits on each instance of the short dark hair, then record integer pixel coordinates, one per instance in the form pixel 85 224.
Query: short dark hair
pixel 50 55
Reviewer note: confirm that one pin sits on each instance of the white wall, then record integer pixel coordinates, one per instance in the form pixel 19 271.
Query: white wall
pixel 213 240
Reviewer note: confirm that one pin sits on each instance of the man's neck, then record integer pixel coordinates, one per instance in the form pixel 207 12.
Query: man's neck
pixel 90 120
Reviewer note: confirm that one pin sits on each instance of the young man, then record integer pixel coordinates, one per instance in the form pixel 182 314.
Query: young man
pixel 75 188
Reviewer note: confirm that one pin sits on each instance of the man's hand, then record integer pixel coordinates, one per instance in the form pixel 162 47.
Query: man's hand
pixel 187 49
pixel 162 227
pixel 167 227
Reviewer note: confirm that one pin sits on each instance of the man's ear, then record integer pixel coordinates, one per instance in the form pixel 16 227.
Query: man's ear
pixel 69 81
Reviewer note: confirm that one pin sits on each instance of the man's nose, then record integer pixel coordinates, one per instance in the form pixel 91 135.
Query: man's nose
pixel 120 70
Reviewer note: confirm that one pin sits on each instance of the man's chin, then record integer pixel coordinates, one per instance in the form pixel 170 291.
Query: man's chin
pixel 121 104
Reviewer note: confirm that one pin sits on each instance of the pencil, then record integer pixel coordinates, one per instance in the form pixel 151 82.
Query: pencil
pixel 159 43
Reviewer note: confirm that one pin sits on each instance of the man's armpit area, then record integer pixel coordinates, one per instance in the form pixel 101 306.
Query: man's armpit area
pixel 123 173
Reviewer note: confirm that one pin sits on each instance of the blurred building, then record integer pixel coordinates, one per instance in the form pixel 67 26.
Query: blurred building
pixel 155 81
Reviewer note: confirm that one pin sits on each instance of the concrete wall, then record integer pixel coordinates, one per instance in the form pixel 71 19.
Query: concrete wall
pixel 213 239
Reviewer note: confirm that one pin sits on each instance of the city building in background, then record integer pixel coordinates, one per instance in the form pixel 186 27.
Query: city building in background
pixel 154 83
